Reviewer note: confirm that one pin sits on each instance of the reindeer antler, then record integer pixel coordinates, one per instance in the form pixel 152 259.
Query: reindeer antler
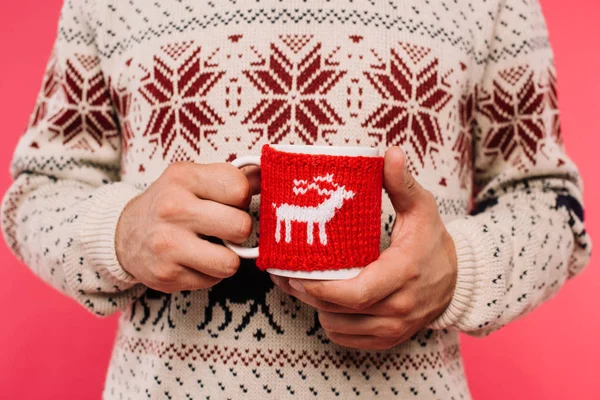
pixel 302 186
pixel 326 178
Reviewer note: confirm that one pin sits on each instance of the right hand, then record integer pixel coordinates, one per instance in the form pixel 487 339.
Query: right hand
pixel 159 234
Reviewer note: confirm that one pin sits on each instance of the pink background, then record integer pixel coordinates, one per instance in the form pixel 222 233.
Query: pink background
pixel 51 348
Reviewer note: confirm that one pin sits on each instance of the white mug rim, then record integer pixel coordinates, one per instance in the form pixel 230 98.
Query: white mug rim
pixel 352 151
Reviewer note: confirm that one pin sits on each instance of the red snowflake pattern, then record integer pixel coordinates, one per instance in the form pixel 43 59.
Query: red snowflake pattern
pixel 413 96
pixel 293 95
pixel 463 147
pixel 178 99
pixel 515 111
pixel 87 111
pixel 50 86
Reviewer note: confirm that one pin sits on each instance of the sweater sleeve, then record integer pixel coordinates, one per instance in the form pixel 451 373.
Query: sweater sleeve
pixel 60 214
pixel 525 236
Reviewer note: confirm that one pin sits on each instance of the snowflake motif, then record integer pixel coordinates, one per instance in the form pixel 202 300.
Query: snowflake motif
pixel 552 99
pixel 463 147
pixel 87 111
pixel 178 100
pixel 293 96
pixel 413 96
pixel 50 86
pixel 516 118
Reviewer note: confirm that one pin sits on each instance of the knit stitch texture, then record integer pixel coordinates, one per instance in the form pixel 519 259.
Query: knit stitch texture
pixel 334 215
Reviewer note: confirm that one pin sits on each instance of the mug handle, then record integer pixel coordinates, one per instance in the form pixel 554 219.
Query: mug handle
pixel 244 252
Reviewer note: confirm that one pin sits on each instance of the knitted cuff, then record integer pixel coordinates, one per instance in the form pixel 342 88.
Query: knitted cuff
pixel 466 282
pixel 98 225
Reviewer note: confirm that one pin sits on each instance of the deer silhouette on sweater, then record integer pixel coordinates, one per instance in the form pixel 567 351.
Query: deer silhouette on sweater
pixel 319 215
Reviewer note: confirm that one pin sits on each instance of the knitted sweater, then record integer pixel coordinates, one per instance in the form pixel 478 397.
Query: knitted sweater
pixel 468 89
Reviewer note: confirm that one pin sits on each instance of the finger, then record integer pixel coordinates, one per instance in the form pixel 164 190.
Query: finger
pixel 283 284
pixel 220 182
pixel 398 304
pixel 202 256
pixel 362 342
pixel 183 278
pixel 363 325
pixel 375 282
pixel 404 191
pixel 194 280
pixel 210 218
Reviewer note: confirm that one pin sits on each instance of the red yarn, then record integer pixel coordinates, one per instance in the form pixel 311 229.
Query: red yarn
pixel 343 193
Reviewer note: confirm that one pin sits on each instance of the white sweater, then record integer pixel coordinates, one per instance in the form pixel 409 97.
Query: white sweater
pixel 467 88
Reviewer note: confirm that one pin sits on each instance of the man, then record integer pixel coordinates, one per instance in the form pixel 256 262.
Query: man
pixel 122 192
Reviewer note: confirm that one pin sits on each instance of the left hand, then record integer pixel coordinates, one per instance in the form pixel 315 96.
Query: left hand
pixel 405 289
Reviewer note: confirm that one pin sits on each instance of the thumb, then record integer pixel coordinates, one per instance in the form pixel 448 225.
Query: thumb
pixel 404 191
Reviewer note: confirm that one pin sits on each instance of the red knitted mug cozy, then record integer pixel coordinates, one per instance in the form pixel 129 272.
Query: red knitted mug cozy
pixel 319 212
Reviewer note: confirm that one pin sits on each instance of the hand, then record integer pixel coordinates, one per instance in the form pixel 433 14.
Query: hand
pixel 404 290
pixel 159 234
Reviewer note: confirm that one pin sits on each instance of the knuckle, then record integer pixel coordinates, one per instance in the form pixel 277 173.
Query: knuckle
pixel 174 172
pixel 230 265
pixel 178 169
pixel 403 306
pixel 240 191
pixel 166 274
pixel 325 322
pixel 233 182
pixel 392 329
pixel 169 207
pixel 244 227
pixel 159 242
pixel 411 182
pixel 359 303
pixel 412 272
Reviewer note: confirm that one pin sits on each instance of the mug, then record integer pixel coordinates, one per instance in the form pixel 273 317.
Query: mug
pixel 320 210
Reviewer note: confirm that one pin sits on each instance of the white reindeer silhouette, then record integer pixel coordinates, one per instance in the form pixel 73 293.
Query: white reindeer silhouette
pixel 318 215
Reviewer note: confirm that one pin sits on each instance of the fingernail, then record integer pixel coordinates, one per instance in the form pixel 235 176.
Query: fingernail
pixel 297 285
